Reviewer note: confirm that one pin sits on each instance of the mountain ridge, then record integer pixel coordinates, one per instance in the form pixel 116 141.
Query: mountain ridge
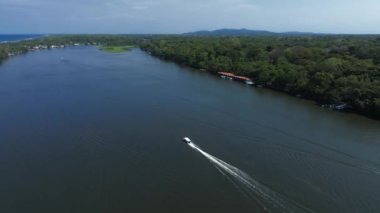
pixel 245 32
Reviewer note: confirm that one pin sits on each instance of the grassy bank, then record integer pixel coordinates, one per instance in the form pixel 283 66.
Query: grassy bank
pixel 116 49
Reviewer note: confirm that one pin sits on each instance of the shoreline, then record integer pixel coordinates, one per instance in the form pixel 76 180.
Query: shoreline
pixel 330 106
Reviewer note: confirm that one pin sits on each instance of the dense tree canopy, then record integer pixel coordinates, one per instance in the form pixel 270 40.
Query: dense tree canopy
pixel 328 69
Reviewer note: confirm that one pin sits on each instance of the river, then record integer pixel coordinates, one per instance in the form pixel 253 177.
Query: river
pixel 89 131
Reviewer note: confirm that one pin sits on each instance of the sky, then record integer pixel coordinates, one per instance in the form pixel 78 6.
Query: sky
pixel 180 16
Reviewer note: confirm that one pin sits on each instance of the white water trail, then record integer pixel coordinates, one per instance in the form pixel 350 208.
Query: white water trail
pixel 268 199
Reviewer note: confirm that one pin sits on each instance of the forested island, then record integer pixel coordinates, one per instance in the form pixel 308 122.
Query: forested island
pixel 329 69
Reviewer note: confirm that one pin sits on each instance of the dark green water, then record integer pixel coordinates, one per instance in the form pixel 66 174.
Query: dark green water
pixel 87 131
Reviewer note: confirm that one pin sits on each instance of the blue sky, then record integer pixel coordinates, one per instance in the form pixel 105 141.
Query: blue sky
pixel 178 16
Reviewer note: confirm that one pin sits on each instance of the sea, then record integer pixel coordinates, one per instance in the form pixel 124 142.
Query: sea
pixel 18 37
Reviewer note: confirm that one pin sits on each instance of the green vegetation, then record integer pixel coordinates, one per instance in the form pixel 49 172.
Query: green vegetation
pixel 328 69
pixel 116 49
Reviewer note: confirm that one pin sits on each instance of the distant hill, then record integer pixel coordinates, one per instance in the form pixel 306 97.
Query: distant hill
pixel 243 32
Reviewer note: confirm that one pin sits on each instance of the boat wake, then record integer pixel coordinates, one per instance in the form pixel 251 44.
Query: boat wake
pixel 267 199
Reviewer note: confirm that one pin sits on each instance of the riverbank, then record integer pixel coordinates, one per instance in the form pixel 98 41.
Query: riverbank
pixel 325 69
pixel 338 106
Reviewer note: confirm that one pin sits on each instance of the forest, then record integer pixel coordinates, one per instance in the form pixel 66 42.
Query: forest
pixel 332 69
pixel 328 69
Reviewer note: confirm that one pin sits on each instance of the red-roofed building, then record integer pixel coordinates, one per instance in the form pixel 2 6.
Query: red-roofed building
pixel 236 77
